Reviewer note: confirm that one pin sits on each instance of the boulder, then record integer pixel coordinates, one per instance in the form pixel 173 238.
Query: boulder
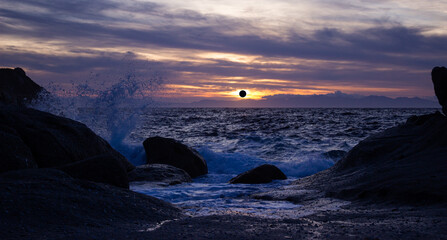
pixel 160 173
pixel 49 204
pixel 404 164
pixel 103 169
pixel 439 78
pixel 262 174
pixel 171 152
pixel 53 141
pixel 17 88
pixel 31 138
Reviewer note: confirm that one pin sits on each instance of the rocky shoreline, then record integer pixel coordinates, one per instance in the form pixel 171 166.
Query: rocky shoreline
pixel 59 180
pixel 402 165
pixel 49 204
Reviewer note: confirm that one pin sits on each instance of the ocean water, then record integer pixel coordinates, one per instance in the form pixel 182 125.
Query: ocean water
pixel 235 140
pixel 232 140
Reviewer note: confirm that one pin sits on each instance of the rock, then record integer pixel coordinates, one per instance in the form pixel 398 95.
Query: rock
pixel 103 169
pixel 404 164
pixel 335 154
pixel 14 154
pixel 439 78
pixel 49 204
pixel 17 88
pixel 32 138
pixel 159 173
pixel 171 152
pixel 262 174
pixel 53 141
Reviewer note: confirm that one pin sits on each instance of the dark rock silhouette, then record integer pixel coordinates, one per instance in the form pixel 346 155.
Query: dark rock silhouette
pixel 49 204
pixel 159 173
pixel 31 138
pixel 103 169
pixel 54 141
pixel 57 175
pixel 171 152
pixel 35 139
pixel 405 164
pixel 262 174
pixel 17 88
pixel 439 78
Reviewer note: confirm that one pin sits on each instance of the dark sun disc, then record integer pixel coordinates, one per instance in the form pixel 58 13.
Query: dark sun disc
pixel 242 93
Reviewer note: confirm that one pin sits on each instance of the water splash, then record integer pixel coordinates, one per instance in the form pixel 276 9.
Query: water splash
pixel 111 110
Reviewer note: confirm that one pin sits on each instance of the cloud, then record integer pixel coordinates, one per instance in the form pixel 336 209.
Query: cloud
pixel 92 21
pixel 80 36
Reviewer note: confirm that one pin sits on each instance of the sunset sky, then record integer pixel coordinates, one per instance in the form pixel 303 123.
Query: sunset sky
pixel 212 49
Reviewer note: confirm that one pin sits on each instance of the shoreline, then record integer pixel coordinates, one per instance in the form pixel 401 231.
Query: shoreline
pixel 349 222
pixel 367 219
pixel 60 180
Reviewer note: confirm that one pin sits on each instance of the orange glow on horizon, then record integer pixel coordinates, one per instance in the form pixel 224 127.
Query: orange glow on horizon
pixel 224 92
pixel 179 90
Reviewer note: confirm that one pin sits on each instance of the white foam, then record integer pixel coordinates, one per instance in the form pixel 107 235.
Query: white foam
pixel 235 163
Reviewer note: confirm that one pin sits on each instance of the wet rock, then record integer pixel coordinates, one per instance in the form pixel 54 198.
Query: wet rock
pixel 262 174
pixel 159 173
pixel 103 169
pixel 31 138
pixel 54 141
pixel 16 88
pixel 47 201
pixel 171 152
pixel 439 78
pixel 404 164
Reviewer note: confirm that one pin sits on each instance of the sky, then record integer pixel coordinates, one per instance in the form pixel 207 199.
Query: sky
pixel 211 49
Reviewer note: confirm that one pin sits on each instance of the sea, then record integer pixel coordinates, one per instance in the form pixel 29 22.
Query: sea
pixel 231 140
pixel 234 140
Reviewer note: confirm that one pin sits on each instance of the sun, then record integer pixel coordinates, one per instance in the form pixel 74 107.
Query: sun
pixel 249 94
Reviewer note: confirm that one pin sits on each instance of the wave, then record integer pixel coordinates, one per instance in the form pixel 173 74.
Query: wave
pixel 236 163
pixel 228 163
pixel 112 112
pixel 306 167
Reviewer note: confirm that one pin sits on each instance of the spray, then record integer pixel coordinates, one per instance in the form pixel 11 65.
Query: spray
pixel 113 111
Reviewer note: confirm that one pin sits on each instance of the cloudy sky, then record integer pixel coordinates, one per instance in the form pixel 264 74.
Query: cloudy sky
pixel 213 48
